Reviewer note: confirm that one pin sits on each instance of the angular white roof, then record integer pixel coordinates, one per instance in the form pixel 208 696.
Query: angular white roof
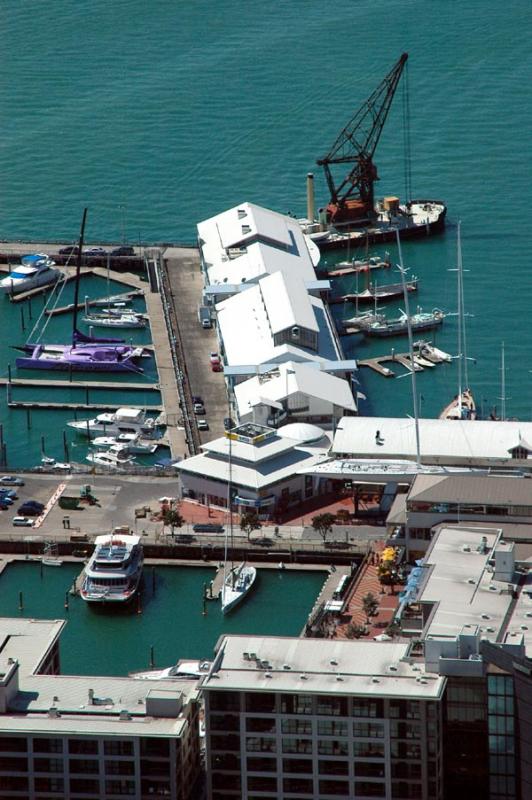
pixel 287 302
pixel 289 378
pixel 443 440
pixel 246 330
pixel 273 242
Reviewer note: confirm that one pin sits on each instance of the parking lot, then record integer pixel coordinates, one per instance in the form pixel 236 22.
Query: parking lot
pixel 116 499
pixel 186 283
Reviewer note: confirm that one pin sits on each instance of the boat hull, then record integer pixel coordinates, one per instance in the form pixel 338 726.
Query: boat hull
pixel 383 231
pixel 231 596
pixel 19 287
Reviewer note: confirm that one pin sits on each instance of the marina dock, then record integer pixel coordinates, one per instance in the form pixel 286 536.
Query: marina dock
pixel 104 406
pixel 421 361
pixel 56 384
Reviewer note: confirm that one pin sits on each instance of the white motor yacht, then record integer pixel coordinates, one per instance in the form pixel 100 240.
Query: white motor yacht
pixel 114 570
pixel 123 420
pixel 128 442
pixel 34 270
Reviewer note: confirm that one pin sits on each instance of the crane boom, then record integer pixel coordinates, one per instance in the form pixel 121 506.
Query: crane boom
pixel 352 199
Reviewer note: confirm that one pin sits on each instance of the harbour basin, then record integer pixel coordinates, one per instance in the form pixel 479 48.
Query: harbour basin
pixel 168 618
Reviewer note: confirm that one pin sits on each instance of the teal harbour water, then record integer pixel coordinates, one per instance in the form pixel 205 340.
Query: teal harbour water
pixel 156 120
pixel 103 641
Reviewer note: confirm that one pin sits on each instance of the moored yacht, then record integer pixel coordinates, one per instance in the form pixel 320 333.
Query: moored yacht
pixel 114 570
pixel 34 270
pixel 126 442
pixel 237 583
pixel 123 420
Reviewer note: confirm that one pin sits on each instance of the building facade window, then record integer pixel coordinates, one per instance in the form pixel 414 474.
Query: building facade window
pixel 501 738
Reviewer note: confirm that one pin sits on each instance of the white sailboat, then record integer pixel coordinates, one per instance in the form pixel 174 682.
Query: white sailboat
pixel 237 579
pixel 462 406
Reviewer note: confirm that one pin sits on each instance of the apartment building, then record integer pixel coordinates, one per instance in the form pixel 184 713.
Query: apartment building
pixel 90 738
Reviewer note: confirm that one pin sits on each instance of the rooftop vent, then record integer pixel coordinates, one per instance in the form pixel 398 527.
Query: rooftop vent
pixel 245 656
pixel 339 678
pixel 490 630
pixel 528 614
pixel 466 548
pixel 524 627
pixel 471 580
pixel 215 676
pixel 493 588
pixel 124 714
pixel 287 666
pixel 421 679
pixel 393 667
pixel 375 679
pixel 304 677
pixel 334 662
pixel 485 616
pixel 267 674
pixel 53 713
pixel 253 656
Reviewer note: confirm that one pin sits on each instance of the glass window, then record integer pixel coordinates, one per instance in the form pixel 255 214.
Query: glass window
pixel 258 744
pixel 260 724
pixel 224 722
pixel 120 767
pixel 298 785
pixel 331 706
pixel 257 764
pixel 263 702
pixel 368 749
pixel 366 789
pixel 333 747
pixel 13 744
pixel 118 747
pixel 297 765
pixel 224 701
pixel 122 787
pixel 296 704
pixel 339 788
pixel 84 765
pixel 49 784
pixel 369 769
pixel 85 785
pixel 14 764
pixel 297 745
pixel 367 708
pixel 262 784
pixel 368 730
pixel 155 747
pixel 333 767
pixel 297 725
pixel 332 727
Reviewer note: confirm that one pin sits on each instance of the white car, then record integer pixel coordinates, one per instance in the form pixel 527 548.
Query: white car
pixel 199 408
pixel 203 425
pixel 11 480
pixel 23 522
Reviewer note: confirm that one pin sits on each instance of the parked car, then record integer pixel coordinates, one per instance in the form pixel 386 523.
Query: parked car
pixel 217 367
pixel 207 527
pixel 203 425
pixel 23 522
pixel 11 480
pixel 124 250
pixel 71 250
pixel 214 358
pixel 4 492
pixel 95 251
pixel 199 408
pixel 6 501
pixel 34 504
pixel 228 423
pixel 29 511
pixel 196 398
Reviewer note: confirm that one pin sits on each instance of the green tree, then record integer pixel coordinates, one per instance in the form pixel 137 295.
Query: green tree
pixel 173 518
pixel 249 522
pixel 322 524
pixel 370 605
pixel 354 631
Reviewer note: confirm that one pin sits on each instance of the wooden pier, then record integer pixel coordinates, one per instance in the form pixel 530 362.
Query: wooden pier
pixel 421 362
pixel 53 312
pixel 353 269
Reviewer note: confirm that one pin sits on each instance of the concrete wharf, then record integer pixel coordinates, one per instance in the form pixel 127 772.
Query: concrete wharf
pixel 113 385
pixel 45 404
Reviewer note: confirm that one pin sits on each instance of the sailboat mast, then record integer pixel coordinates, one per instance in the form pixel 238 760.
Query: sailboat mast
pixel 411 349
pixel 78 271
pixel 461 361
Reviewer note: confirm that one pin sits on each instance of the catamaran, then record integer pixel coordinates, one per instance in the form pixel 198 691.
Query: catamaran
pixel 114 571
pixel 86 353
pixel 35 270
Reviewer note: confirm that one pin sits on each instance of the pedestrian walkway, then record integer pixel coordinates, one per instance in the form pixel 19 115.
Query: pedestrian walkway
pixel 368 581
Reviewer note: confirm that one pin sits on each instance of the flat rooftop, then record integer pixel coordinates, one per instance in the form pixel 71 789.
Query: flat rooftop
pixel 318 666
pixel 461 585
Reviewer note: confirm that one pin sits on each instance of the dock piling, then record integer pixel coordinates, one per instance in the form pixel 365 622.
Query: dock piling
pixel 20 602
pixel 22 324
pixel 152 658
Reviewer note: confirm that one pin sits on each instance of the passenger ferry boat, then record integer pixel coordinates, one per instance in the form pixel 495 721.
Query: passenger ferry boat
pixel 114 570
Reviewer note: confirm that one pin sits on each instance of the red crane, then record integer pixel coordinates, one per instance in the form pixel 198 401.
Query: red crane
pixel 352 200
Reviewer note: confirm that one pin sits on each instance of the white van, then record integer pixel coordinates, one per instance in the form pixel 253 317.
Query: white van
pixel 23 522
